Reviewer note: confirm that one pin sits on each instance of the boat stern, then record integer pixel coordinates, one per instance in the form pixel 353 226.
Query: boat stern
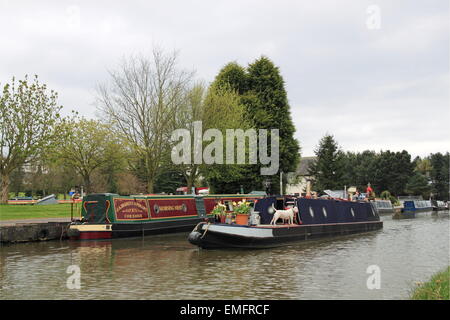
pixel 89 231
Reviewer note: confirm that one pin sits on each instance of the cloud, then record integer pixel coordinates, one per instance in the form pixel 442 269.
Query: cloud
pixel 335 68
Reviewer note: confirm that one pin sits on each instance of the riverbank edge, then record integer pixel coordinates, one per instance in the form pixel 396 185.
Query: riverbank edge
pixel 31 232
pixel 437 288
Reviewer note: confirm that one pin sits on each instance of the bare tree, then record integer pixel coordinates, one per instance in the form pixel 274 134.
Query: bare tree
pixel 141 101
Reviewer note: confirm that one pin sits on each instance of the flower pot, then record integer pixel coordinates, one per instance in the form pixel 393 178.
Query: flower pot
pixel 222 219
pixel 242 219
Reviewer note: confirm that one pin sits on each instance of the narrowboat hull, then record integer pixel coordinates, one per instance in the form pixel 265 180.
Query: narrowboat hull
pixel 123 230
pixel 108 216
pixel 385 210
pixel 316 219
pixel 217 236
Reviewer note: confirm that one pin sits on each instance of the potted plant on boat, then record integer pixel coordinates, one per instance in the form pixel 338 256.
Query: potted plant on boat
pixel 220 212
pixel 242 211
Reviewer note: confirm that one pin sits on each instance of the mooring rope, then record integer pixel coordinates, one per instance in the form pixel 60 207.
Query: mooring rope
pixel 206 230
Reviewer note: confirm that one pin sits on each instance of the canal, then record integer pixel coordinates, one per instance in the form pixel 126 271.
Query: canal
pixel 168 267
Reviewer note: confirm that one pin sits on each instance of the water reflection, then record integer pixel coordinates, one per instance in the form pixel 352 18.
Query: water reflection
pixel 168 267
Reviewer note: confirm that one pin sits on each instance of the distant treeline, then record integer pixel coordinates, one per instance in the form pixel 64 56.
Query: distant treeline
pixel 395 172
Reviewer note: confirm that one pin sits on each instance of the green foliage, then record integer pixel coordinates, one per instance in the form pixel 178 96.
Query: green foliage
pixel 87 146
pixel 219 209
pixel 28 115
pixel 224 111
pixel 439 175
pixel 233 76
pixel 385 170
pixel 269 109
pixel 328 167
pixel 386 195
pixel 437 288
pixel 418 184
pixel 169 180
pixel 261 91
pixel 242 207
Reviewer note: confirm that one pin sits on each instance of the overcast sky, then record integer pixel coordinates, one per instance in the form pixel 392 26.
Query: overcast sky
pixel 375 74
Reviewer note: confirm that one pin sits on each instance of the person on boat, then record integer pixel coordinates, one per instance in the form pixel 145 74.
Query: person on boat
pixel 369 192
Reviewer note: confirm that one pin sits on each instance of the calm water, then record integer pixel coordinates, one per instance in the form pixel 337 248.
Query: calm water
pixel 168 267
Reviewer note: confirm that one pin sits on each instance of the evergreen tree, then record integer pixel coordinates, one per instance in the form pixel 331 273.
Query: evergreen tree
pixel 439 175
pixel 328 168
pixel 233 76
pixel 417 185
pixel 262 93
pixel 268 108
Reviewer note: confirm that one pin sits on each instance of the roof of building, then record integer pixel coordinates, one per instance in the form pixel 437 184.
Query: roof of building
pixel 305 163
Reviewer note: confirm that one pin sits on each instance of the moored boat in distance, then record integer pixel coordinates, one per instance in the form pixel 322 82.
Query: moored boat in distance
pixel 439 205
pixel 383 206
pixel 107 215
pixel 316 219
pixel 416 206
pixel 411 207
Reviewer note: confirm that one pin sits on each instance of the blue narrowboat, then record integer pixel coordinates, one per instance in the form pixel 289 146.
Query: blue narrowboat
pixel 315 219
pixel 416 206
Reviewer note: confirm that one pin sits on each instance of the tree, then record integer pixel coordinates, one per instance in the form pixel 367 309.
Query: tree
pixel 225 111
pixel 391 171
pixel 88 145
pixel 269 109
pixel 439 174
pixel 233 76
pixel 418 184
pixel 192 111
pixel 141 102
pixel 28 114
pixel 327 169
pixel 261 91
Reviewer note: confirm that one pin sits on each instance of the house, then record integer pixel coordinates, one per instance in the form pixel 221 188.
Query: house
pixel 298 181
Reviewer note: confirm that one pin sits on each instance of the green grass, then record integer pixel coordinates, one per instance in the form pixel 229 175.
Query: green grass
pixel 27 211
pixel 435 289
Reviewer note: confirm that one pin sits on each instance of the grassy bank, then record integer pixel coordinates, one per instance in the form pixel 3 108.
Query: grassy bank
pixel 435 289
pixel 12 212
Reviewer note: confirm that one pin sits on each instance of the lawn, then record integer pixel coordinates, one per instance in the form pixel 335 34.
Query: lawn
pixel 435 289
pixel 11 212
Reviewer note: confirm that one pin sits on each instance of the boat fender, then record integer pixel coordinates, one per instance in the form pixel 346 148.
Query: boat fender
pixel 73 232
pixel 194 237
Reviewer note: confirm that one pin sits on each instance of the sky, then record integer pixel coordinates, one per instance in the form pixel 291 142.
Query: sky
pixel 375 74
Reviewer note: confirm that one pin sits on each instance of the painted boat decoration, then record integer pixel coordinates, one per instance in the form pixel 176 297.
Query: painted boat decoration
pixel 316 218
pixel 107 215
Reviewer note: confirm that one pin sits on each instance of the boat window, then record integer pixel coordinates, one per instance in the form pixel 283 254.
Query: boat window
pixel 324 210
pixel 311 212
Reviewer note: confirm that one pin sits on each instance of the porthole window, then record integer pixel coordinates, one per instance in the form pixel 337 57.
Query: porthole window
pixel 324 210
pixel 311 212
pixel 352 212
